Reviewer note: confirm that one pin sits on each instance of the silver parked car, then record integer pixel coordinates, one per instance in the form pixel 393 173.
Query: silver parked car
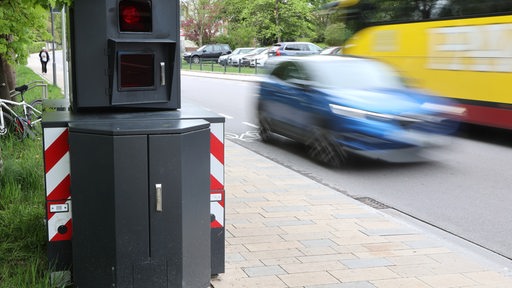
pixel 236 56
pixel 257 56
pixel 293 49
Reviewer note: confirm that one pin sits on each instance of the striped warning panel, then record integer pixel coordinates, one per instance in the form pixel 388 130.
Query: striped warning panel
pixel 57 179
pixel 57 176
pixel 217 174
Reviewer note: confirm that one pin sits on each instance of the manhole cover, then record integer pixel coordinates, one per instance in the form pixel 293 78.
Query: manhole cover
pixel 372 202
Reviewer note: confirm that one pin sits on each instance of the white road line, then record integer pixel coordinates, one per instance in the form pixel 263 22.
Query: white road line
pixel 226 116
pixel 251 125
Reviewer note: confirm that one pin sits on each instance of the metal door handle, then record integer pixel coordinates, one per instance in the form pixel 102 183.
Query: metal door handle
pixel 158 188
pixel 162 73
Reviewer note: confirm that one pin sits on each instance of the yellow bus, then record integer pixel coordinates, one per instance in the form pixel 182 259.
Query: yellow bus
pixel 460 49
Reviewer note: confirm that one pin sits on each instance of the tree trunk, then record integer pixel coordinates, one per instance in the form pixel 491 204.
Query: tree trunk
pixel 10 75
pixel 7 78
pixel 4 87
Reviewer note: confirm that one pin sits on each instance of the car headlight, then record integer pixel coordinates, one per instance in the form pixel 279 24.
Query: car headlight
pixel 445 109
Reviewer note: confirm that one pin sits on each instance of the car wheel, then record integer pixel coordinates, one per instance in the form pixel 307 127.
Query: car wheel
pixel 264 131
pixel 195 59
pixel 323 150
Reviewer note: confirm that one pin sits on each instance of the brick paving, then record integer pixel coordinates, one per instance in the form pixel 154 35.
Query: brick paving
pixel 286 230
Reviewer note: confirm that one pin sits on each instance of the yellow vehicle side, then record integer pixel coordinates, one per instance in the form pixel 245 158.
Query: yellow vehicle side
pixel 466 59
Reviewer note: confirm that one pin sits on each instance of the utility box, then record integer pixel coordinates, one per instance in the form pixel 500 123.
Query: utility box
pixel 60 202
pixel 141 203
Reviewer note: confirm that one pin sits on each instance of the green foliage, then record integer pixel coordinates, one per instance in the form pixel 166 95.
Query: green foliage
pixel 23 23
pixel 287 20
pixel 243 37
pixel 35 47
pixel 20 24
pixel 335 34
pixel 225 39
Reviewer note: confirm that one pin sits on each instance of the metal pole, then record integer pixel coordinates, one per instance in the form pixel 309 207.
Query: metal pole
pixel 64 53
pixel 54 64
pixel 277 21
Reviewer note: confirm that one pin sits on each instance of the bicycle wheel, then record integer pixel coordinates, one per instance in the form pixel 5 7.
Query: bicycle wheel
pixel 15 126
pixel 34 116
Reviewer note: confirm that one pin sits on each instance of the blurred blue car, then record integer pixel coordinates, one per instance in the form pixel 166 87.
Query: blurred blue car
pixel 339 106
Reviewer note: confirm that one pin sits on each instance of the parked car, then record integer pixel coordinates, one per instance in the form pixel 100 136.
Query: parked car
pixel 210 52
pixel 334 50
pixel 236 56
pixel 340 106
pixel 258 55
pixel 293 49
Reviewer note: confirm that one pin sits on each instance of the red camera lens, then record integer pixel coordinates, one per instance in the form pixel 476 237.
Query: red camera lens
pixel 135 16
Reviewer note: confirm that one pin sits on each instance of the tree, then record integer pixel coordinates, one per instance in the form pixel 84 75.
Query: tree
pixel 202 19
pixel 21 22
pixel 273 20
pixel 474 7
pixel 335 34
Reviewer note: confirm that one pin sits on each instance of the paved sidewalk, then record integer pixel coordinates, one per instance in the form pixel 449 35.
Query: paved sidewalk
pixel 286 230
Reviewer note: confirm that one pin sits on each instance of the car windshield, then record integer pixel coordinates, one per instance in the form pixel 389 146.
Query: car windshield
pixel 355 75
pixel 328 50
pixel 258 51
pixel 275 47
pixel 201 48
pixel 242 50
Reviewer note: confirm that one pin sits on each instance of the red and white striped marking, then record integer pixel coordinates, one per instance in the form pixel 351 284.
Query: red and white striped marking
pixel 57 175
pixel 217 174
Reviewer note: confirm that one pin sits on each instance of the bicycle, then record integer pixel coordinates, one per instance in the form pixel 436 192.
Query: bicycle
pixel 26 121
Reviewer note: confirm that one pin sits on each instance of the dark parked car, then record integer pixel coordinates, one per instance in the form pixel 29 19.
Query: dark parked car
pixel 293 49
pixel 340 106
pixel 210 52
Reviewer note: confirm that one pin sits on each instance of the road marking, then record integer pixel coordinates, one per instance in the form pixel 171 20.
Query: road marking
pixel 226 116
pixel 251 125
pixel 249 136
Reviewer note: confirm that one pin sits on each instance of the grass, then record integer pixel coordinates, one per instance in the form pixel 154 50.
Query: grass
pixel 23 260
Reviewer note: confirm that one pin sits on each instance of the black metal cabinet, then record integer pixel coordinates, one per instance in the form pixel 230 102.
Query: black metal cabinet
pixel 140 203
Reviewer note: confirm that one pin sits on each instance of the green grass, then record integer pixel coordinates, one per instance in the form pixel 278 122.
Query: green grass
pixel 23 242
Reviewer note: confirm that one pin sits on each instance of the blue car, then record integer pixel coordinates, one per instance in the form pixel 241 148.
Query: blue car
pixel 339 106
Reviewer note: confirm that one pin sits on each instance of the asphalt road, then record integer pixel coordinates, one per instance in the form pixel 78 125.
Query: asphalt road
pixel 465 191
